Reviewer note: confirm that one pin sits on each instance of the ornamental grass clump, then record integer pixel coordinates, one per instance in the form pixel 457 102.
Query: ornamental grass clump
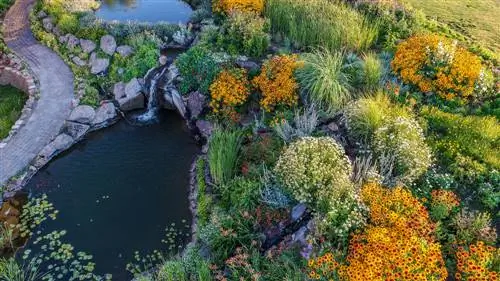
pixel 403 141
pixel 229 90
pixel 315 171
pixel 324 80
pixel 435 64
pixel 223 151
pixel 276 82
pixel 227 6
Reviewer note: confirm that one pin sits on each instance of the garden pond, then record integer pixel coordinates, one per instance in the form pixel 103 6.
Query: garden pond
pixel 173 11
pixel 119 189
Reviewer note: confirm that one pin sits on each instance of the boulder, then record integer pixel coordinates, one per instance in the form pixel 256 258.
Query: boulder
pixel 63 39
pixel 174 98
pixel 75 130
pixel 119 90
pixel 48 24
pixel 133 99
pixel 298 212
pixel 124 51
pixel 333 127
pixel 82 114
pixel 133 87
pixel 105 114
pixel 172 73
pixel 78 61
pixel 88 46
pixel 98 66
pixel 248 65
pixel 196 102
pixel 108 44
pixel 60 143
pixel 41 15
pixel 73 41
pixel 205 128
pixel 163 60
pixel 57 31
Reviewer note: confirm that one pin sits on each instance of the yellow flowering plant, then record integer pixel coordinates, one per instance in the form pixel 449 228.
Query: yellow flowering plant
pixel 276 82
pixel 476 262
pixel 435 64
pixel 229 90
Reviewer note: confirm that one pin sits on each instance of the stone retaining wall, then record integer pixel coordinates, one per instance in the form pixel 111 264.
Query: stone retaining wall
pixel 15 73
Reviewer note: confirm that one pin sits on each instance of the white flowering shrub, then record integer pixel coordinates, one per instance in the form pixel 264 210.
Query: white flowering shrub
pixel 403 140
pixel 315 170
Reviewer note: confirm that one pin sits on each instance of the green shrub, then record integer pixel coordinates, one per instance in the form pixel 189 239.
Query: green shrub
pixel 323 79
pixel 198 69
pixel 315 170
pixel 474 226
pixel 172 270
pixel 321 23
pixel 68 23
pixel 365 115
pixel 402 140
pixel 240 194
pixel 224 148
pixel 11 103
pixel 245 33
pixel 90 96
pixel 93 33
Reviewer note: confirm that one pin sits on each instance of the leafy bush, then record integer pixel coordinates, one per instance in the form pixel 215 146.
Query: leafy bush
pixel 366 115
pixel 228 6
pixel 11 103
pixel 68 23
pixel 245 33
pixel 276 82
pixel 434 64
pixel 323 79
pixel 229 90
pixel 224 148
pixel 472 226
pixel 172 270
pixel 315 170
pixel 90 96
pixel 198 69
pixel 321 23
pixel 443 202
pixel 403 140
pixel 240 194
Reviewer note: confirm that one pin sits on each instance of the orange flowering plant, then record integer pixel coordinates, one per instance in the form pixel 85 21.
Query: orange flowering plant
pixel 435 64
pixel 227 6
pixel 276 82
pixel 476 262
pixel 229 90
pixel 324 266
pixel 442 203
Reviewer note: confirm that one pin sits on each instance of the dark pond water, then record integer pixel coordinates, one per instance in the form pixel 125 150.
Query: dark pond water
pixel 117 191
pixel 173 11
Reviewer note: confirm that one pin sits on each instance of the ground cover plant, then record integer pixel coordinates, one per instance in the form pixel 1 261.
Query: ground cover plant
pixel 11 103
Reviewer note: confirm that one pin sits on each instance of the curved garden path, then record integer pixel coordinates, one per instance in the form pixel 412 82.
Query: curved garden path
pixel 56 93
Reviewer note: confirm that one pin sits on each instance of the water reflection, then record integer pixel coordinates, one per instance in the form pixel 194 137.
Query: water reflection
pixel 126 3
pixel 173 11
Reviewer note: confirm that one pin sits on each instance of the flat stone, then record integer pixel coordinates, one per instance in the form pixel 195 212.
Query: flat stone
pixel 119 90
pixel 88 46
pixel 78 61
pixel 105 114
pixel 124 50
pixel 133 99
pixel 41 15
pixel 48 24
pixel 82 114
pixel 60 143
pixel 73 41
pixel 63 39
pixel 98 66
pixel 298 211
pixel 108 44
pixel 75 130
pixel 133 87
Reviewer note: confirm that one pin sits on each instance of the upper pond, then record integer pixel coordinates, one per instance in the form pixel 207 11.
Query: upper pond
pixel 174 11
pixel 119 189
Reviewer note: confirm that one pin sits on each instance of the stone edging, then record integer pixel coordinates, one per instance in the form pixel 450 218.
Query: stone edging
pixel 15 72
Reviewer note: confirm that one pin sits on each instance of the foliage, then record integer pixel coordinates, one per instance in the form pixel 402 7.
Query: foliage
pixel 261 149
pixel 244 33
pixel 240 193
pixel 476 262
pixel 315 170
pixel 442 203
pixel 321 23
pixel 472 226
pixel 366 115
pixel 303 125
pixel 90 96
pixel 11 270
pixel 276 82
pixel 224 148
pixel 144 58
pixel 467 148
pixel 372 71
pixel 324 80
pixel 34 213
pixel 198 69
pixel 229 90
pixel 11 103
pixel 68 23
pixel 398 243
pixel 228 6
pixel 204 200
pixel 434 64
pixel 402 139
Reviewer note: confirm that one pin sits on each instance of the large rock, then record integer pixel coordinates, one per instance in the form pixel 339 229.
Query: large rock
pixel 75 130
pixel 60 143
pixel 88 46
pixel 72 42
pixel 173 100
pixel 205 128
pixel 41 15
pixel 133 99
pixel 247 64
pixel 172 73
pixel 108 44
pixel 82 114
pixel 48 24
pixel 105 114
pixel 98 66
pixel 125 51
pixel 298 211
pixel 57 31
pixel 119 90
pixel 78 61
pixel 196 102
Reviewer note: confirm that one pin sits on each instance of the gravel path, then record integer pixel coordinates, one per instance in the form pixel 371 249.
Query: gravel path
pixel 56 93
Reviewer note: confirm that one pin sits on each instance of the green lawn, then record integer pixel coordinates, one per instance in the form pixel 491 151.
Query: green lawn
pixel 478 20
pixel 11 103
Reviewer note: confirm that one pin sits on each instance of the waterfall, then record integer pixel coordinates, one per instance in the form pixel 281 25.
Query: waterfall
pixel 152 108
